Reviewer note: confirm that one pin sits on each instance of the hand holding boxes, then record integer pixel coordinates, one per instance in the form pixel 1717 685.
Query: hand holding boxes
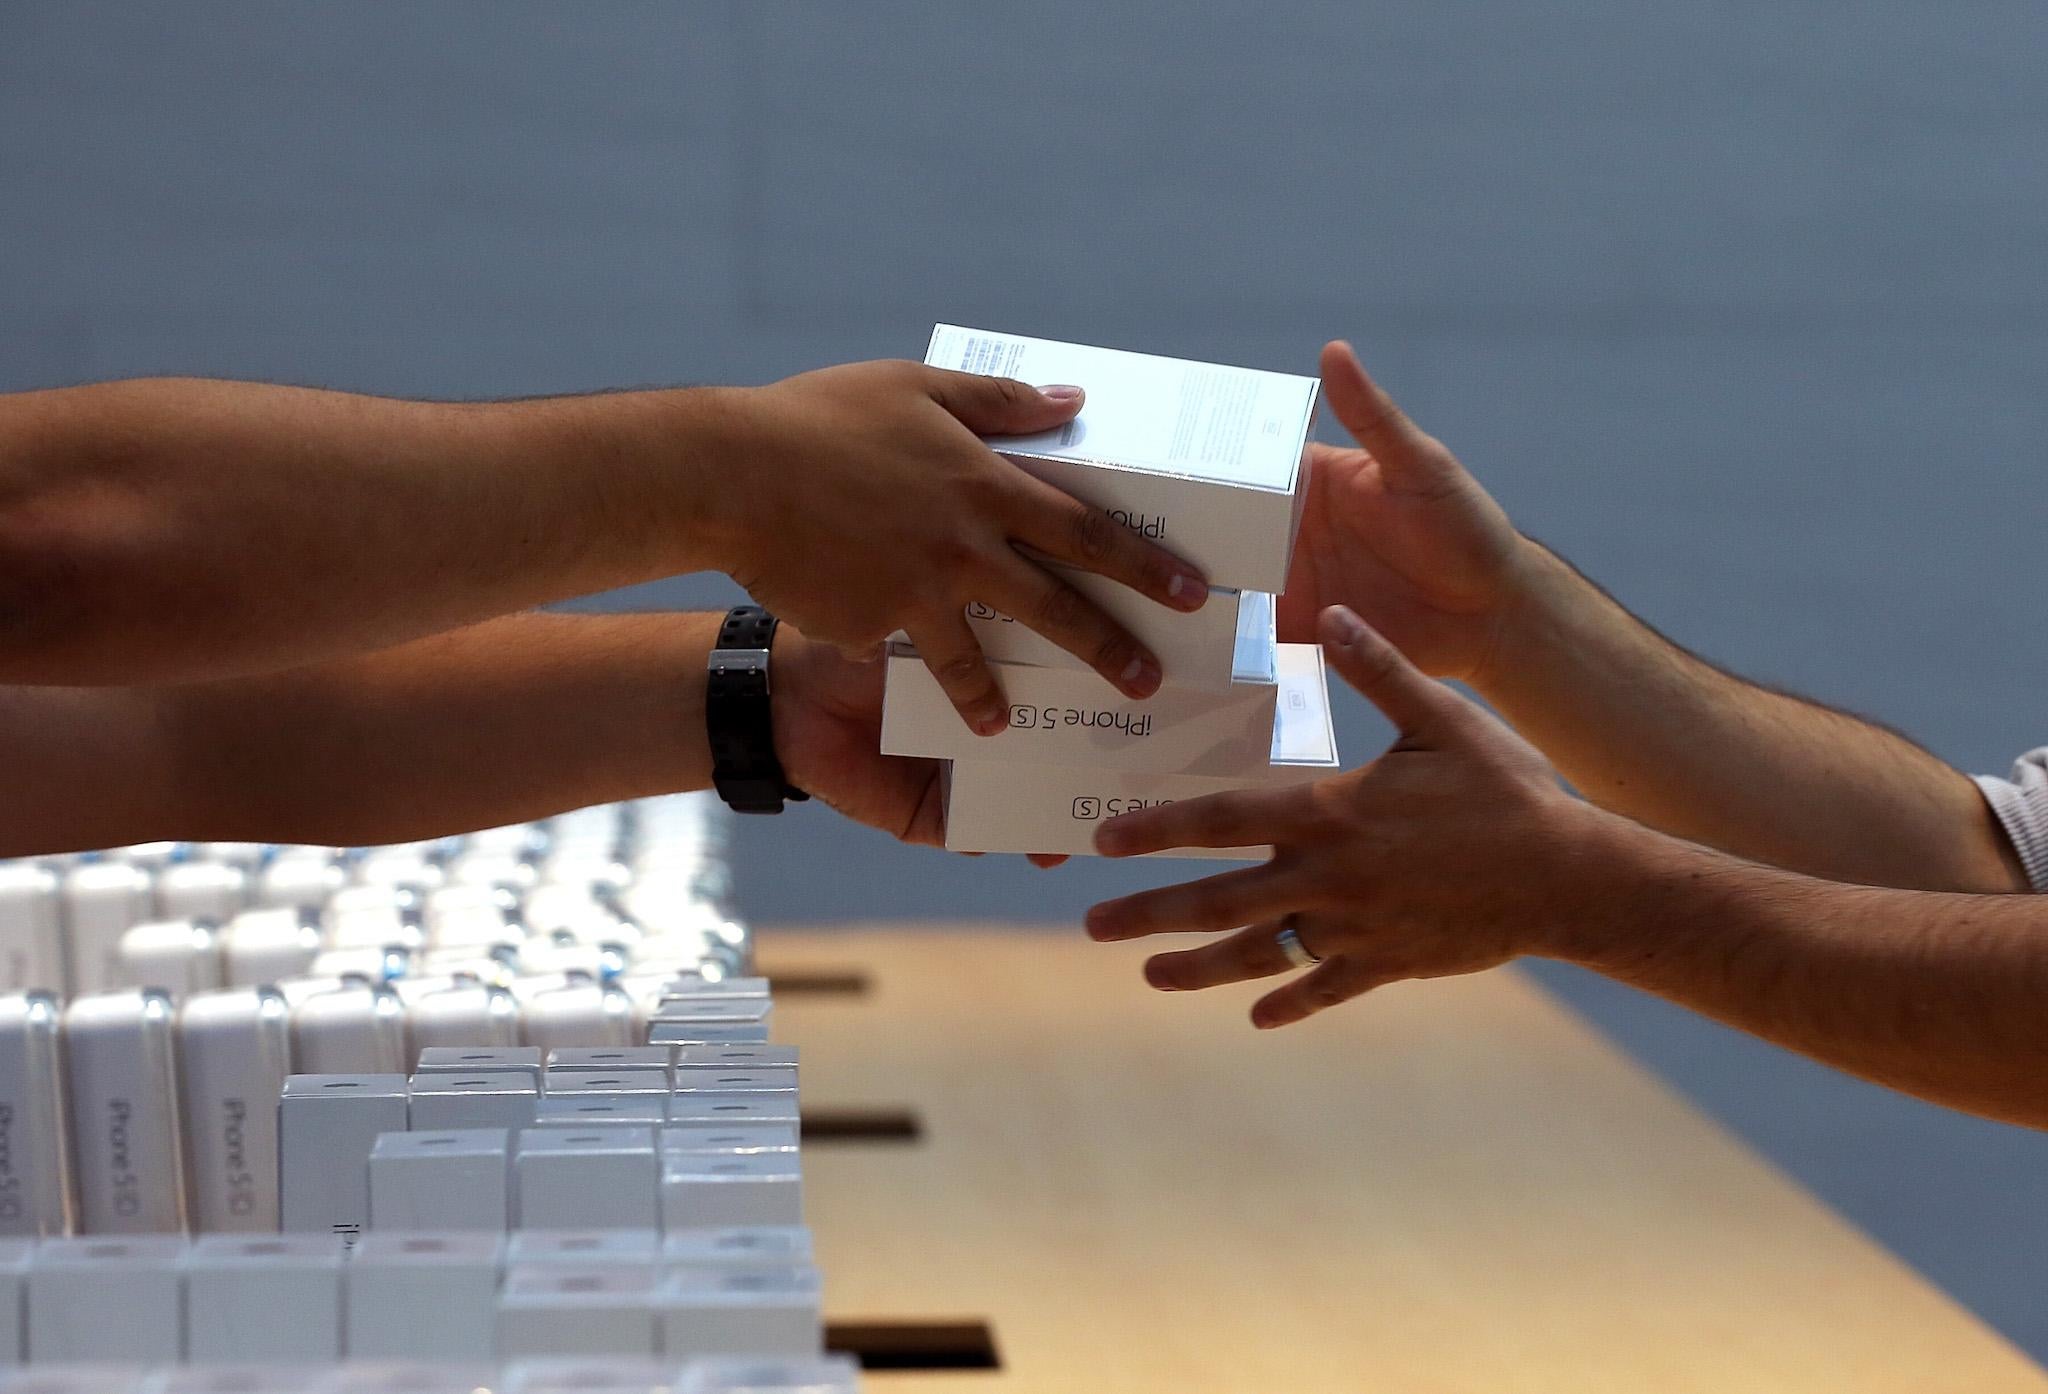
pixel 1210 462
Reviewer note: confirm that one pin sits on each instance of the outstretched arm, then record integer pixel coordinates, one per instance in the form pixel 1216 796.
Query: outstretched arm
pixel 173 530
pixel 1400 532
pixel 1457 850
pixel 512 719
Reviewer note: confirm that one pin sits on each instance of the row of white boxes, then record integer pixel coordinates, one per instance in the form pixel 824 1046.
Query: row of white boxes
pixel 546 1375
pixel 543 896
pixel 653 1137
pixel 424 1296
pixel 1211 463
pixel 126 1113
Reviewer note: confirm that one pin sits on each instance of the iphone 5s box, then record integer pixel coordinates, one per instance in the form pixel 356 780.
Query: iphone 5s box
pixel 1229 640
pixel 1070 716
pixel 1056 808
pixel 1208 461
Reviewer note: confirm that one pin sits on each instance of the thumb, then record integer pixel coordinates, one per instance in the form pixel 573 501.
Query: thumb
pixel 1409 457
pixel 1417 705
pixel 1002 406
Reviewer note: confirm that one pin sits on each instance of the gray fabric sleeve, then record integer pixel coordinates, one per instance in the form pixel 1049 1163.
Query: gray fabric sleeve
pixel 2021 803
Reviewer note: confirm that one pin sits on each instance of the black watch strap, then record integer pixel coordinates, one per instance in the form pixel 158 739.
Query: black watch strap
pixel 738 718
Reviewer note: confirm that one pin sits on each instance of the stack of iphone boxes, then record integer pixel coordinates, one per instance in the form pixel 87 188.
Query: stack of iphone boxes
pixel 1209 462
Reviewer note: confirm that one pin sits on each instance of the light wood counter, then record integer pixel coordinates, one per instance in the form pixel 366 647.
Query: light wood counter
pixel 1454 1186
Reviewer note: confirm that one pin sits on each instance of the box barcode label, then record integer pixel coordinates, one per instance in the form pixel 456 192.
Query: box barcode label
pixel 996 358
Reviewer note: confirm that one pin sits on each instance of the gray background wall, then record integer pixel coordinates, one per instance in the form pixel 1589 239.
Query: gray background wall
pixel 1744 306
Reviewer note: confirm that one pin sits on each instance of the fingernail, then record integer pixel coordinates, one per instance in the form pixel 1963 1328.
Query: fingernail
pixel 1097 924
pixel 1350 628
pixel 1142 676
pixel 1187 592
pixel 992 722
pixel 1061 392
pixel 1106 839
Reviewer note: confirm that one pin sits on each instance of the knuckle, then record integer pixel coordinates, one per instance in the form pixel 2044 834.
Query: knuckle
pixel 1094 534
pixel 1062 609
pixel 961 671
pixel 1114 653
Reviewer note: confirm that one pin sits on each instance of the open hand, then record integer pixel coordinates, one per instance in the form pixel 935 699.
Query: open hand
pixel 1400 533
pixel 1454 851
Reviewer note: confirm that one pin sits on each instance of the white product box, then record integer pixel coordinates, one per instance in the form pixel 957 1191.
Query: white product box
pixel 572 1112
pixel 121 1070
pixel 207 891
pixel 1229 640
pixel 174 956
pixel 416 1376
pixel 715 1021
pixel 579 1014
pixel 458 1179
pixel 610 1086
pixel 638 1248
pixel 738 1246
pixel 234 1055
pixel 564 1374
pixel 754 1311
pixel 563 1309
pixel 101 900
pixel 271 1297
pixel 587 1178
pixel 728 1137
pixel 75 1379
pixel 434 1060
pixel 263 1378
pixel 762 1081
pixel 747 1374
pixel 268 946
pixel 690 985
pixel 14 1260
pixel 485 1099
pixel 35 1173
pixel 326 1128
pixel 1056 808
pixel 424 1296
pixel 356 1029
pixel 1062 716
pixel 736 1055
pixel 463 1013
pixel 300 880
pixel 31 937
pixel 717 1190
pixel 1208 461
pixel 725 1110
pixel 584 1059
pixel 107 1299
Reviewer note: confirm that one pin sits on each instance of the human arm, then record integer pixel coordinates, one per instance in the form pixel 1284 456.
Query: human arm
pixel 168 530
pixel 1457 850
pixel 510 719
pixel 1399 531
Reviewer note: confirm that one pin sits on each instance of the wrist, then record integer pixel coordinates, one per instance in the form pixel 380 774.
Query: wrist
pixel 1615 877
pixel 1541 600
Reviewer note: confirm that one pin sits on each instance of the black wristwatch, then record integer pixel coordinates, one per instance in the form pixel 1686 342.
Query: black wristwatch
pixel 737 716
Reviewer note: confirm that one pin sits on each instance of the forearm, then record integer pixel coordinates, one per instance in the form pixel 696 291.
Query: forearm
pixel 512 719
pixel 1645 729
pixel 1939 995
pixel 175 529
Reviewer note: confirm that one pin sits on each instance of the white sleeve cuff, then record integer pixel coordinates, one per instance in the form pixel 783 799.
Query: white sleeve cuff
pixel 2021 805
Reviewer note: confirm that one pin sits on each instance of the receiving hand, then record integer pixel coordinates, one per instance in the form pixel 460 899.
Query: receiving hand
pixel 873 507
pixel 1454 851
pixel 1400 533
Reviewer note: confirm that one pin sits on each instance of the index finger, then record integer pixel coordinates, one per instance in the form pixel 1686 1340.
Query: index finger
pixel 1079 534
pixel 1241 818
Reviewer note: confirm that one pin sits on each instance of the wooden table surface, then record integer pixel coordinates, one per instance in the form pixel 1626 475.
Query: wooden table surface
pixel 1448 1187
